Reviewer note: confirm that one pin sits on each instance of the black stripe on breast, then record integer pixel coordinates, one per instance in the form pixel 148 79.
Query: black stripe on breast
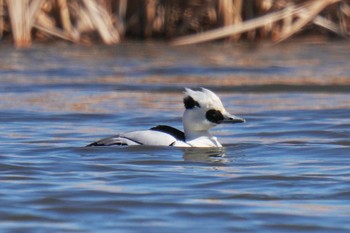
pixel 179 135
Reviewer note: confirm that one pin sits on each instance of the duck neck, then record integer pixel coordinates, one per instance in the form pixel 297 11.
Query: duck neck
pixel 190 134
pixel 194 127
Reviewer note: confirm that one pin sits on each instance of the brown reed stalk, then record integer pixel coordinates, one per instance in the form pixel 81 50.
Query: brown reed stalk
pixel 226 15
pixel 229 12
pixel 65 18
pixel 19 22
pixel 46 23
pixel 102 22
pixel 237 11
pixel 1 18
pixel 121 16
pixel 308 14
pixel 150 8
pixel 327 24
pixel 23 19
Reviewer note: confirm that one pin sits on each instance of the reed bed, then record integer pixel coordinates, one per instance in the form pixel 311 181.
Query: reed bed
pixel 180 21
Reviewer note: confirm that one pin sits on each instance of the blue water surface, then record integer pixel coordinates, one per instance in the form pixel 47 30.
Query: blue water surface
pixel 286 170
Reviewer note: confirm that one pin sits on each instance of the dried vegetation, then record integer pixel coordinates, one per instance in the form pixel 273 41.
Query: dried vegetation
pixel 181 21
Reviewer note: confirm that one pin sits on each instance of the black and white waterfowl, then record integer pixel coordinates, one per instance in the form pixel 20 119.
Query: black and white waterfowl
pixel 204 110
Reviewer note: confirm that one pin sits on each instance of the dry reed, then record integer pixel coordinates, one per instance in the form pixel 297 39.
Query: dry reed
pixel 188 21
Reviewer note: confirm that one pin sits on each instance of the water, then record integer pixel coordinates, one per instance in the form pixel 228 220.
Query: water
pixel 286 170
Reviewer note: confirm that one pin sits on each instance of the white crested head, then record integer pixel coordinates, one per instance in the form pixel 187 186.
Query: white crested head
pixel 205 98
pixel 204 110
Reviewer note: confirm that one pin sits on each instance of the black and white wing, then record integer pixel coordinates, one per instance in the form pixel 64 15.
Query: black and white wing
pixel 157 136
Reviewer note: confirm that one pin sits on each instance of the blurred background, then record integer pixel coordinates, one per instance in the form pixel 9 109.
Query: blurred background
pixel 110 22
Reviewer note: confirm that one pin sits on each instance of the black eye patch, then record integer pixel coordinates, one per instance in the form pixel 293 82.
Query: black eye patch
pixel 190 102
pixel 214 116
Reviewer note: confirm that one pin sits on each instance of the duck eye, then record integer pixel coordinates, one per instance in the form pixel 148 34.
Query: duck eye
pixel 190 103
pixel 214 116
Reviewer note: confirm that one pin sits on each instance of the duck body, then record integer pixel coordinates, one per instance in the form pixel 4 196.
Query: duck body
pixel 161 135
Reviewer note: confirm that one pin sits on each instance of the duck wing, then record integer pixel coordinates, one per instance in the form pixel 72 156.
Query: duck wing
pixel 156 136
pixel 178 134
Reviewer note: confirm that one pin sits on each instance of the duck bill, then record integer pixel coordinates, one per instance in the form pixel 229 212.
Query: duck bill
pixel 231 119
